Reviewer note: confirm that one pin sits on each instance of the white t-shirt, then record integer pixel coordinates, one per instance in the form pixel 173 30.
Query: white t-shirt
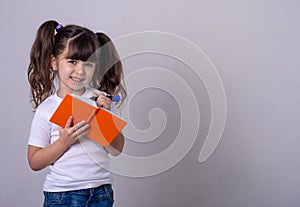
pixel 83 165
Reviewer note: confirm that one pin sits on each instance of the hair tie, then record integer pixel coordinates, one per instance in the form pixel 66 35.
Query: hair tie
pixel 58 27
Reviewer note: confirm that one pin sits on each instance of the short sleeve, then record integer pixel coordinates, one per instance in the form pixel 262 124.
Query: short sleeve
pixel 40 131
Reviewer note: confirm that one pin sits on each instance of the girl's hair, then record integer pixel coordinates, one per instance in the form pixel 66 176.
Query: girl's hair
pixel 81 44
pixel 109 75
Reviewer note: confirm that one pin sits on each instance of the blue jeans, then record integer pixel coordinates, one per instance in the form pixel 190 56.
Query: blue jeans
pixel 93 197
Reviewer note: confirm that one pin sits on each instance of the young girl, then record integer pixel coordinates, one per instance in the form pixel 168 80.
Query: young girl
pixel 71 60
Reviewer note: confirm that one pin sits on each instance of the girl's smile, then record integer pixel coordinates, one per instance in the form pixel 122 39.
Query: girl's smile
pixel 76 79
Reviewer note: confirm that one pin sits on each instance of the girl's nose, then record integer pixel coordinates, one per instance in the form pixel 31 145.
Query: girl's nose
pixel 80 68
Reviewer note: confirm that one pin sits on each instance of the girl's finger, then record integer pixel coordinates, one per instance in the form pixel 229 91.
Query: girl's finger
pixel 69 122
pixel 102 97
pixel 77 126
pixel 103 100
pixel 97 95
pixel 83 130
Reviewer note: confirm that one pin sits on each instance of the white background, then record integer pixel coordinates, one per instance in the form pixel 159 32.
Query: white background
pixel 255 48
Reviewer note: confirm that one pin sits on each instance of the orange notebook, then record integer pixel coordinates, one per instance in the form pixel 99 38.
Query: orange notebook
pixel 104 124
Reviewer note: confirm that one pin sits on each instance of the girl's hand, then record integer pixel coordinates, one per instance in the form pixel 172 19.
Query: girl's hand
pixel 102 101
pixel 70 135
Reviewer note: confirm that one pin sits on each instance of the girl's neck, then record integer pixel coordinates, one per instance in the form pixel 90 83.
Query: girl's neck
pixel 61 93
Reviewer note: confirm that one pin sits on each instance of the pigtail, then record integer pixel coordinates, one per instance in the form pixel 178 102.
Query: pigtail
pixel 110 72
pixel 40 75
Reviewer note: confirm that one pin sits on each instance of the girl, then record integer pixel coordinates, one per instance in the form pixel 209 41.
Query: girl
pixel 66 60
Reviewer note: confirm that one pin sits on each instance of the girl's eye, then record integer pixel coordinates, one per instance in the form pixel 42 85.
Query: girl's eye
pixel 89 65
pixel 73 62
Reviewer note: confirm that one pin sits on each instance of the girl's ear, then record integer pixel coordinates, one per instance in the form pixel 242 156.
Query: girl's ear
pixel 53 63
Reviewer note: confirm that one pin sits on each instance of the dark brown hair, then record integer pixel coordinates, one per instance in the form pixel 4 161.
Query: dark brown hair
pixel 82 44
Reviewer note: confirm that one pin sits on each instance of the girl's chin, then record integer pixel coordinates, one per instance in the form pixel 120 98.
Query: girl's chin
pixel 78 89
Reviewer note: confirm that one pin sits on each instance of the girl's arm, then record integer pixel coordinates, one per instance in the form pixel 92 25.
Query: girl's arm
pixel 40 158
pixel 116 147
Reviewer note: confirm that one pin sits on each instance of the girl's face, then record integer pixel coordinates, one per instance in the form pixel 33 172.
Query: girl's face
pixel 73 75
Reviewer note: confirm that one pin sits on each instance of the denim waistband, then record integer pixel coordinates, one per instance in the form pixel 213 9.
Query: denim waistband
pixel 102 188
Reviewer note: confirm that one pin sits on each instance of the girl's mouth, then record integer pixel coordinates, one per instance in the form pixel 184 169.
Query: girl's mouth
pixel 77 80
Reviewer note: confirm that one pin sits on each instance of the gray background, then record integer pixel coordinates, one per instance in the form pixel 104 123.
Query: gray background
pixel 253 44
